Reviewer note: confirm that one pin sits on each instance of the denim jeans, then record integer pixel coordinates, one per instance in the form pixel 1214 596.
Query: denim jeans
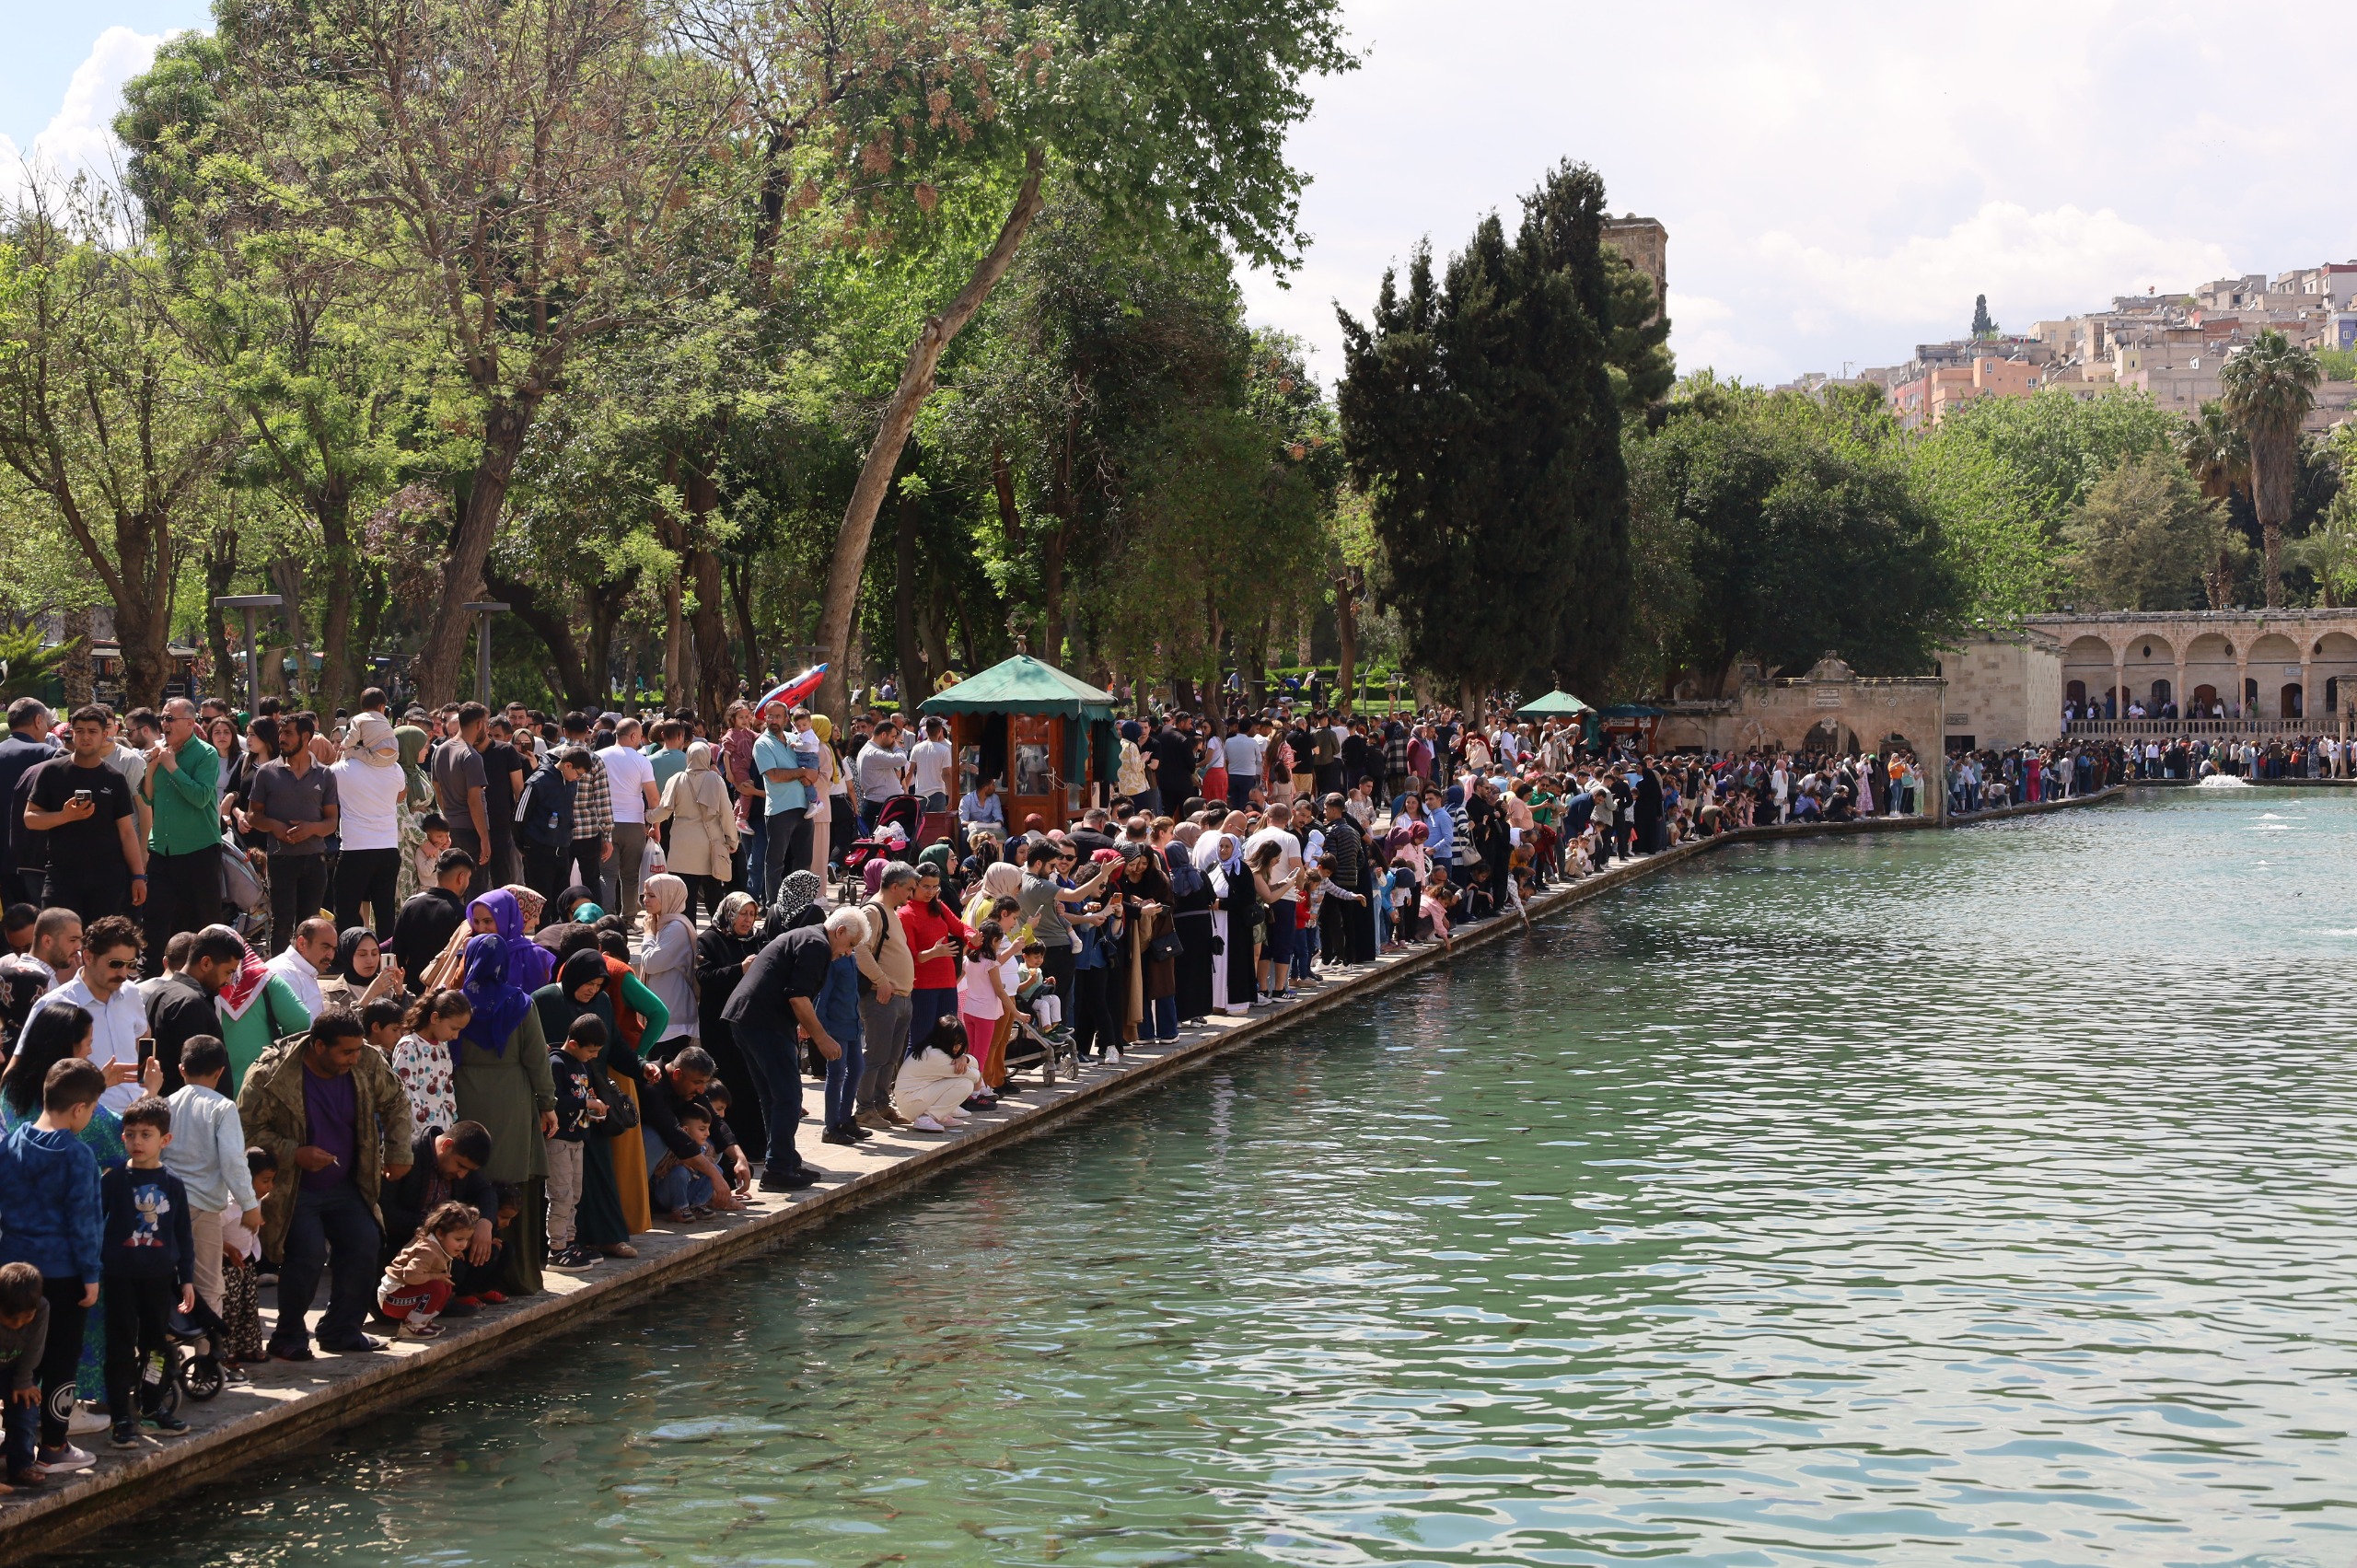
pixel 338 1220
pixel 927 1007
pixel 1161 1020
pixel 678 1187
pixel 774 1056
pixel 842 1082
pixel 23 1422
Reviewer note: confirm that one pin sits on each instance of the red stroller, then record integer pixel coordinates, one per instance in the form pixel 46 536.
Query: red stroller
pixel 902 811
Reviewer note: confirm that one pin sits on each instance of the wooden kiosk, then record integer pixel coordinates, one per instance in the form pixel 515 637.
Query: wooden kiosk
pixel 1045 736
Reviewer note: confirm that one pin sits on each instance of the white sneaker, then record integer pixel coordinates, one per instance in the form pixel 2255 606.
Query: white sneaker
pixel 926 1123
pixel 416 1328
pixel 73 1458
pixel 1112 1056
pixel 86 1421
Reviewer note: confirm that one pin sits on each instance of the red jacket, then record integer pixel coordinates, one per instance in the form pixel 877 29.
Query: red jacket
pixel 925 924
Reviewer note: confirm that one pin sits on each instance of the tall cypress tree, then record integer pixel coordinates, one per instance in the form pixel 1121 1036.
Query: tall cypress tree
pixel 1481 419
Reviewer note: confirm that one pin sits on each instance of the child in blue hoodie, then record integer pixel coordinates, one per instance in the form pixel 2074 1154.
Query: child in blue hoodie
pixel 49 1193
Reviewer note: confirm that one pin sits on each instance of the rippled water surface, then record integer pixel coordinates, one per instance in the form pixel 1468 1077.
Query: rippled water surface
pixel 1980 1196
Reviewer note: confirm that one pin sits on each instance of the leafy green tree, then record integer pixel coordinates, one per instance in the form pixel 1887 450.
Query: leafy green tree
pixel 1169 116
pixel 2269 386
pixel 1803 531
pixel 1643 370
pixel 103 415
pixel 2214 452
pixel 1982 325
pixel 2146 538
pixel 1481 417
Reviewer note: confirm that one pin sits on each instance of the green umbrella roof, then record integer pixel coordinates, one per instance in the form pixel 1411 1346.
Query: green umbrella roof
pixel 1023 685
pixel 1557 704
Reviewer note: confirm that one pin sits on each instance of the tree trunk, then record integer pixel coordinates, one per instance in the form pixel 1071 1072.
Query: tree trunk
pixel 840 608
pixel 143 609
pixel 2271 534
pixel 220 572
pixel 933 632
pixel 286 577
pixel 505 424
pixel 740 596
pixel 554 630
pixel 337 671
pixel 1346 636
pixel 917 681
pixel 75 675
pixel 605 602
pixel 711 614
pixel 1052 595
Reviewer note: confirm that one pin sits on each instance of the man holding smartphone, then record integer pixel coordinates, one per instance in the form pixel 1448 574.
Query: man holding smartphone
pixel 97 863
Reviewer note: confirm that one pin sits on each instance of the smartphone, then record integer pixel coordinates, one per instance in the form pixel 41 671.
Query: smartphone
pixel 82 795
pixel 146 1048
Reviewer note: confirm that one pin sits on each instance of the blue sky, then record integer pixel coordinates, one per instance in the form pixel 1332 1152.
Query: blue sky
pixel 1839 180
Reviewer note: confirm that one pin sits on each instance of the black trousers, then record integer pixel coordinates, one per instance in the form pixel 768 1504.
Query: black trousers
pixel 299 890
pixel 585 864
pixel 184 894
pixel 91 894
pixel 337 1221
pixel 1094 1027
pixel 137 1310
pixel 544 868
pixel 370 877
pixel 61 1358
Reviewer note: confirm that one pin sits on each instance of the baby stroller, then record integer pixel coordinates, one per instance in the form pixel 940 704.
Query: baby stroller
pixel 199 1374
pixel 1048 1049
pixel 903 812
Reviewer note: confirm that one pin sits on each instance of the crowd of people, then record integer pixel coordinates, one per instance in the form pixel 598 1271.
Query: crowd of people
pixel 409 1009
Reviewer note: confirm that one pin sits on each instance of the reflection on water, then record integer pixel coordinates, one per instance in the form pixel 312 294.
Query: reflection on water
pixel 1978 1197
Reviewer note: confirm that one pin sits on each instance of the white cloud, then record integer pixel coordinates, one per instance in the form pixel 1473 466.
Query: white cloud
pixel 2058 260
pixel 80 139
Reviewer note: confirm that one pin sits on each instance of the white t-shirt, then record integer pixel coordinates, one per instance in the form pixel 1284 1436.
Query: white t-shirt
pixel 1288 848
pixel 929 763
pixel 628 770
pixel 1243 755
pixel 370 798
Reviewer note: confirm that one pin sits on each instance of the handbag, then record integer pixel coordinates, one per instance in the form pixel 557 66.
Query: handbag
pixel 1163 950
pixel 622 1112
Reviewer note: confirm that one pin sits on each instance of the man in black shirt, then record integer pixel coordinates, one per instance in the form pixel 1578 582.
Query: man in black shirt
pixel 1171 752
pixel 663 1103
pixel 97 862
pixel 179 1003
pixel 780 992
pixel 27 747
pixel 504 770
pixel 423 928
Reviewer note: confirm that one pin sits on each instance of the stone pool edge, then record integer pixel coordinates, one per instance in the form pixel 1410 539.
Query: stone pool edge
pixel 117 1491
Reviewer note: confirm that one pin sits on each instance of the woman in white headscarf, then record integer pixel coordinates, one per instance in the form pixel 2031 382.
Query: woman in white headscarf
pixel 700 846
pixel 667 958
pixel 1219 856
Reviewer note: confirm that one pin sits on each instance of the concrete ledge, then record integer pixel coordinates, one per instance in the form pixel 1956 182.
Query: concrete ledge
pixel 288 1409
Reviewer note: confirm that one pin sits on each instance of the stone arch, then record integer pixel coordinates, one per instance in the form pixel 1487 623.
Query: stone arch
pixel 2151 669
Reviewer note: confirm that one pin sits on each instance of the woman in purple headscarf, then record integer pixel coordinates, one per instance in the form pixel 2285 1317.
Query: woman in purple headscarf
pixel 501 1062
pixel 530 965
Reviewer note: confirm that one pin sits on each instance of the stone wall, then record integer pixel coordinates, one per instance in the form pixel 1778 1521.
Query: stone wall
pixel 2005 689
pixel 1831 708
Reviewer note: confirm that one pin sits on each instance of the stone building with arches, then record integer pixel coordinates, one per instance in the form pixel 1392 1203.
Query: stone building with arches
pixel 2270 671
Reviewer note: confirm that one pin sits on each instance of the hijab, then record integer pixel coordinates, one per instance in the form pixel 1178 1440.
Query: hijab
pixel 529 904
pixel 556 1001
pixel 500 1005
pixel 412 741
pixel 724 919
pixel 568 900
pixel 699 756
pixel 800 891
pixel 528 963
pixel 670 904
pixel 347 947
pixel 1002 879
pixel 1217 850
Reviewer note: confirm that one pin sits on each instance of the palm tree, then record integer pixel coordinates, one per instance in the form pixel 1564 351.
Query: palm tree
pixel 2220 459
pixel 2269 386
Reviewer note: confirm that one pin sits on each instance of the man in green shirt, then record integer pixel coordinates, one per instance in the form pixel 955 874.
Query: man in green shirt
pixel 182 787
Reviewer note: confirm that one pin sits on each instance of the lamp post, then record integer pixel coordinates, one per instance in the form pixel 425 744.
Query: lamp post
pixel 484 611
pixel 245 605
